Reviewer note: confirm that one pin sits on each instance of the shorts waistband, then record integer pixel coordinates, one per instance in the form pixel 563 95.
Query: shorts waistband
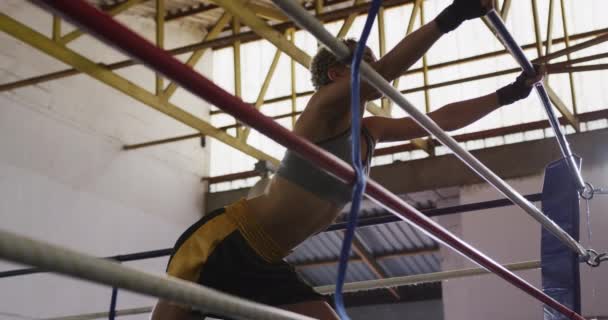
pixel 256 237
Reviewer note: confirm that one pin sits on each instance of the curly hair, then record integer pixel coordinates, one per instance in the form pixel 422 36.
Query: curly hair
pixel 323 61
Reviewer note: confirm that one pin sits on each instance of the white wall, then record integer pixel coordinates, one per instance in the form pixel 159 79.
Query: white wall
pixel 509 235
pixel 65 179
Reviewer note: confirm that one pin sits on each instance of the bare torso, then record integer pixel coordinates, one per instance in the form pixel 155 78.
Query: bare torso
pixel 288 213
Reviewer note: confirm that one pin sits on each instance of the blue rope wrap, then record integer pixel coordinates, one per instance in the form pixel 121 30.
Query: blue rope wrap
pixel 359 186
pixel 112 313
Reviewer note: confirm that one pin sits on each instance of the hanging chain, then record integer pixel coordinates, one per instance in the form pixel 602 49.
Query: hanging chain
pixel 588 205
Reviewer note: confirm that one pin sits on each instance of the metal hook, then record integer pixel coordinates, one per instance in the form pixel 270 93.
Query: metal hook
pixel 594 259
pixel 588 192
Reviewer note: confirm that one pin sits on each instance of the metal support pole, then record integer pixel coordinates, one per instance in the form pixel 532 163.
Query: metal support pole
pixel 519 55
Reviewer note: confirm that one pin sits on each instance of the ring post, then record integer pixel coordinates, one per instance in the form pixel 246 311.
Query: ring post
pixel 509 42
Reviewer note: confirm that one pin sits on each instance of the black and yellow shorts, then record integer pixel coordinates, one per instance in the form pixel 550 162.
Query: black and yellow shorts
pixel 228 252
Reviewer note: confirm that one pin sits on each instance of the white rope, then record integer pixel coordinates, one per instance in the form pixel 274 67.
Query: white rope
pixel 308 22
pixel 105 315
pixel 421 278
pixel 350 287
pixel 69 262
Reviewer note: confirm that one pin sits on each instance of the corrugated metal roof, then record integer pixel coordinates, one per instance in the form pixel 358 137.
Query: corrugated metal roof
pixel 393 245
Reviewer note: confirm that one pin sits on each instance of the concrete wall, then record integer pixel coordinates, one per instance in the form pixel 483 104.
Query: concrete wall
pixel 64 178
pixel 509 235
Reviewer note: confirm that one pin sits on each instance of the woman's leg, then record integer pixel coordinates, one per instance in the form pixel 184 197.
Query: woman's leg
pixel 316 309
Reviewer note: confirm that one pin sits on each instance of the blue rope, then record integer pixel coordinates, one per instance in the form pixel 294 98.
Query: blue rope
pixel 359 187
pixel 112 313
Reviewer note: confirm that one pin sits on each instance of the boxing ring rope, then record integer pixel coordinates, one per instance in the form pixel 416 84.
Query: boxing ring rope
pixel 423 278
pixel 26 251
pixel 105 314
pixel 308 22
pixel 496 23
pixel 61 260
pixel 351 286
pixel 365 222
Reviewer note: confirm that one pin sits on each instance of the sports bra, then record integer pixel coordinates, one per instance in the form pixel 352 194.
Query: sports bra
pixel 316 181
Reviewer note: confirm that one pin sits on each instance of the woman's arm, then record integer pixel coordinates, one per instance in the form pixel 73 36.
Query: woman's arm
pixel 454 115
pixel 392 65
pixel 335 96
pixel 450 117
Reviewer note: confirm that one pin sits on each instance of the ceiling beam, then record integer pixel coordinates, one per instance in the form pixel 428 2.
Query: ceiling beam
pixel 114 10
pixel 190 11
pixel 370 261
pixel 238 9
pixel 206 7
pixel 79 62
pixel 479 135
pixel 196 56
pixel 227 41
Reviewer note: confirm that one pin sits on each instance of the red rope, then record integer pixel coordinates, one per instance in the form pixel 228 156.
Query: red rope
pixel 113 33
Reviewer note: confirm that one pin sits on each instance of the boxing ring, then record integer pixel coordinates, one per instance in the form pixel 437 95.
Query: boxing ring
pixel 56 259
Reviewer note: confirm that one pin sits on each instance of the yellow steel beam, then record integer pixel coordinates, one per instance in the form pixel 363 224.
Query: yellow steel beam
pixel 425 69
pixel 236 62
pixel 410 28
pixel 553 96
pixel 539 45
pixel 160 39
pixel 236 56
pixel 384 102
pixel 318 7
pixel 549 28
pixel 381 32
pixel 257 25
pixel 196 56
pixel 244 134
pixel 238 9
pixel 79 62
pixel 568 57
pixel 504 11
pixel 562 108
pixel 420 143
pixel 267 12
pixel 56 28
pixel 114 11
pixel 348 22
